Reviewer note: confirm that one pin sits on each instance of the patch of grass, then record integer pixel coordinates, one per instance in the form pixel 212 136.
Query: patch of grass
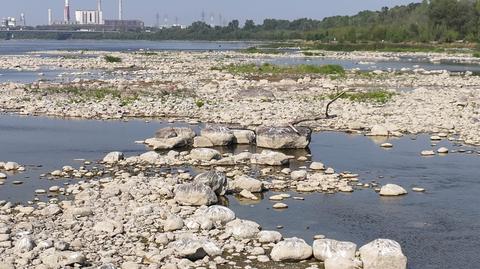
pixel 84 93
pixel 311 53
pixel 375 96
pixel 276 69
pixel 112 59
pixel 199 103
pixel 261 51
pixel 476 54
pixel 147 53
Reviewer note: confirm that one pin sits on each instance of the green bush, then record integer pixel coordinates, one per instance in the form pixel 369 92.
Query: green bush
pixel 112 59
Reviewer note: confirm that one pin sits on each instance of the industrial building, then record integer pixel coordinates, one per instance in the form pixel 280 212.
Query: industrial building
pixel 89 17
pixel 9 22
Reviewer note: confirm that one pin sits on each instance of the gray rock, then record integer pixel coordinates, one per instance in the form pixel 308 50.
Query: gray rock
pixel 150 157
pixel 299 175
pixel 202 142
pixel 283 137
pixel 339 262
pixel 216 180
pixel 217 213
pixel 194 249
pixel 166 143
pixel 60 259
pixel 291 249
pixel 272 158
pixel 218 135
pixel 269 237
pixel 170 132
pixel 204 154
pixel 25 244
pixel 242 229
pixel 113 157
pixel 244 136
pixel 392 190
pixel 246 183
pixel 195 194
pixel 383 254
pixel 324 249
pixel 173 223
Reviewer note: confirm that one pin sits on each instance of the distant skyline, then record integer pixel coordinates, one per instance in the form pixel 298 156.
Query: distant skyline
pixel 188 11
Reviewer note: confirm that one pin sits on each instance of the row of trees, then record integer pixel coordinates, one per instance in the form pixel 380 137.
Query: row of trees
pixel 434 20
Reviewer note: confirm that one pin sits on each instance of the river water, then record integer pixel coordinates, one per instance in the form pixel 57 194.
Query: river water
pixel 437 229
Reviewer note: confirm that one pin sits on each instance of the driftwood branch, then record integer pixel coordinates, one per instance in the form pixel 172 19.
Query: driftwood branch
pixel 327 115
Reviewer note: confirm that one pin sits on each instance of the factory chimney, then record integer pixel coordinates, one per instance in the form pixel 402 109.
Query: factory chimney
pixel 120 10
pixel 99 5
pixel 66 12
pixel 50 22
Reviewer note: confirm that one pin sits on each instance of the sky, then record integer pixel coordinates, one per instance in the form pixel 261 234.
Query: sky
pixel 187 11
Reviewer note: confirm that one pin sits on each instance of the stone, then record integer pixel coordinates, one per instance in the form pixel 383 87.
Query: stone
pixel 317 166
pixel 291 249
pixel 383 254
pixel 246 183
pixel 269 237
pixel 386 145
pixel 194 249
pixel 3 176
pixel 202 142
pixel 25 244
pixel 61 259
pixel 218 135
pixel 217 213
pixel 173 223
pixel 113 157
pixel 195 194
pixel 299 175
pixel 10 166
pixel 130 265
pixel 280 206
pixel 283 137
pixel 150 157
pixel 272 158
pixel 324 249
pixel 185 133
pixel 216 180
pixel 417 189
pixel 427 153
pixel 166 143
pixel 242 229
pixel 392 190
pixel 339 262
pixel 379 130
pixel 243 136
pixel 442 150
pixel 204 154
pixel 248 195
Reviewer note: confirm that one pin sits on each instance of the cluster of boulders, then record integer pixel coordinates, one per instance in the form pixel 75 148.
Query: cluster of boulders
pixel 216 135
pixel 167 220
pixel 10 167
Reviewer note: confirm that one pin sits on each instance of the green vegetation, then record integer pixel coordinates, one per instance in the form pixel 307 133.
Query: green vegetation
pixel 147 53
pixel 199 103
pixel 377 96
pixel 476 54
pixel 112 59
pixel 277 69
pixel 79 94
pixel 261 50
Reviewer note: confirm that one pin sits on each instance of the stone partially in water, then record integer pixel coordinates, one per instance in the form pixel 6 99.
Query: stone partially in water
pixel 379 130
pixel 10 166
pixel 442 150
pixel 3 176
pixel 324 249
pixel 244 136
pixel 269 237
pixel 113 157
pixel 383 254
pixel 427 153
pixel 242 229
pixel 283 137
pixel 195 194
pixel 218 135
pixel 204 154
pixel 291 249
pixel 392 190
pixel 272 158
pixel 202 142
pixel 317 166
pixel 246 183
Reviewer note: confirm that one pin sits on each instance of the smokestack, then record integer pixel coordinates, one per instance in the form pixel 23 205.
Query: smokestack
pixel 120 10
pixel 50 22
pixel 66 15
pixel 99 5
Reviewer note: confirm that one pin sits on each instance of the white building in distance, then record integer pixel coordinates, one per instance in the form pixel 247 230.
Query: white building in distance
pixel 89 17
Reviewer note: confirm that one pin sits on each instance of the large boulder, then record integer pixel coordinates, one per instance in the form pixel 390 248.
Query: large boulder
pixel 383 254
pixel 324 249
pixel 215 180
pixel 218 213
pixel 246 183
pixel 113 157
pixel 244 136
pixel 171 137
pixel 340 263
pixel 392 190
pixel 291 249
pixel 283 137
pixel 242 229
pixel 195 194
pixel 268 157
pixel 269 237
pixel 204 154
pixel 218 135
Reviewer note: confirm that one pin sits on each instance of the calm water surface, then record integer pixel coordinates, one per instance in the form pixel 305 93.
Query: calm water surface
pixel 437 229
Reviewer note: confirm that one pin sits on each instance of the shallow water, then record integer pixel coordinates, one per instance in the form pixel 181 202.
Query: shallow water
pixel 437 229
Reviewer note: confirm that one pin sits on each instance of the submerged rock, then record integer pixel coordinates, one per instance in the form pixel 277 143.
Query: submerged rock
pixel 383 254
pixel 283 137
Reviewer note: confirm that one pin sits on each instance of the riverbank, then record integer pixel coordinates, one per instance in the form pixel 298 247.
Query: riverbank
pixel 188 86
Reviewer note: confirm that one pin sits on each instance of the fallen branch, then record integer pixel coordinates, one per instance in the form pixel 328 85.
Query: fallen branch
pixel 327 116
pixel 331 102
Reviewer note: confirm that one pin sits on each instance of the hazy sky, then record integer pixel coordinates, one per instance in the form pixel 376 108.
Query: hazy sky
pixel 190 10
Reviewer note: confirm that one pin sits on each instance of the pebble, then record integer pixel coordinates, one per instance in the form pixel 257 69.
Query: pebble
pixel 417 189
pixel 17 182
pixel 40 191
pixel 386 145
pixel 3 176
pixel 280 206
pixel 442 150
pixel 427 153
